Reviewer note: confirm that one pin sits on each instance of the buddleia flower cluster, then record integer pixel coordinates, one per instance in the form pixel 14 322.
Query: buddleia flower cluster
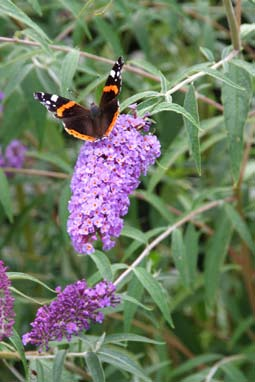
pixel 71 312
pixel 14 155
pixel 7 313
pixel 106 173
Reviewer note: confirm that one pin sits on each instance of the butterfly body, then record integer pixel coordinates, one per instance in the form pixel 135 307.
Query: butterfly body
pixel 88 124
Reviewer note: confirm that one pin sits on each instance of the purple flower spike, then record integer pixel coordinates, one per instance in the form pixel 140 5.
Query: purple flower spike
pixel 15 154
pixel 6 304
pixel 105 174
pixel 73 310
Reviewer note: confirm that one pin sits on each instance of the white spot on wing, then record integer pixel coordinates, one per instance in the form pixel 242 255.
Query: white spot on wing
pixel 54 98
pixel 112 73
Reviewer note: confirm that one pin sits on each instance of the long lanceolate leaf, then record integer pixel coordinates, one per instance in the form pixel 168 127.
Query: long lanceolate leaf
pixel 190 104
pixel 236 106
pixel 156 292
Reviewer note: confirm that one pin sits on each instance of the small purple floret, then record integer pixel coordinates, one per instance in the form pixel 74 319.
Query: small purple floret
pixel 106 173
pixel 72 312
pixel 7 313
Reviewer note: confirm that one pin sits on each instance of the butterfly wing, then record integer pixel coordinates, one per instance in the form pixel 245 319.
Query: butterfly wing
pixel 76 119
pixel 113 83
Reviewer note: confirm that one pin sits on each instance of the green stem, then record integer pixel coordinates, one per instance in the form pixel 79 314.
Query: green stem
pixel 233 25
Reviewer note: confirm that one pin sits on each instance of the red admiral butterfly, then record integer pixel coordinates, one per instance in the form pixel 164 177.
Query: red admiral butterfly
pixel 88 124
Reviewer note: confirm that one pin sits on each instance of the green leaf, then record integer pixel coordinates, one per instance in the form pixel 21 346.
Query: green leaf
pixel 190 104
pixel 26 276
pixel 215 256
pixel 247 32
pixel 5 196
pixel 135 291
pixel 122 360
pixel 134 301
pixel 123 337
pixel 248 66
pixel 179 256
pixel 8 8
pixel 137 97
pixel 169 106
pixel 134 233
pixel 103 265
pixel 58 365
pixel 68 70
pixel 225 79
pixel 156 291
pixel 17 343
pixel 240 226
pixel 236 106
pixel 94 367
pixel 35 4
pixel 192 248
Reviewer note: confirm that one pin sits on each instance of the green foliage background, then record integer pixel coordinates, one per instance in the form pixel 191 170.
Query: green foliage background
pixel 203 271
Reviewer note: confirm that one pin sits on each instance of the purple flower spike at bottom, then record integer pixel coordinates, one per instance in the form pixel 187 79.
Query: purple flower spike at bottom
pixel 106 172
pixel 6 304
pixel 73 310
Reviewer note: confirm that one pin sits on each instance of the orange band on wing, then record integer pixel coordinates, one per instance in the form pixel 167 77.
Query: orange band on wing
pixel 111 88
pixel 79 135
pixel 61 109
pixel 108 131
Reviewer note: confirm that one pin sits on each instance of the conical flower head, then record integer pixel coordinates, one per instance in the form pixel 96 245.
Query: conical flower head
pixel 106 173
pixel 72 312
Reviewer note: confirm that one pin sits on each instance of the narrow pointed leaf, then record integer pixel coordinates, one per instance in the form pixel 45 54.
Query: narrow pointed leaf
pixel 123 360
pixel 68 70
pixel 103 265
pixel 17 343
pixel 94 367
pixel 190 104
pixel 58 365
pixel 215 256
pixel 169 106
pixel 179 256
pixel 156 291
pixel 5 196
pixel 236 106
pixel 240 226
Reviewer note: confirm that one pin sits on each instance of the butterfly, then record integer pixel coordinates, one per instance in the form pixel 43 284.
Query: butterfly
pixel 88 124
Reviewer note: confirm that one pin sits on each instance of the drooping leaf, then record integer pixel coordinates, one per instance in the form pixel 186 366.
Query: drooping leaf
pixel 190 104
pixel 156 292
pixel 68 69
pixel 103 265
pixel 241 227
pixel 17 343
pixel 215 256
pixel 236 106
pixel 58 365
pixel 5 196
pixel 179 256
pixel 136 291
pixel 123 360
pixel 94 367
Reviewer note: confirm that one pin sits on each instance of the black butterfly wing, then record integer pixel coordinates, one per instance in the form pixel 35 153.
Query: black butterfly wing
pixel 76 119
pixel 113 83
